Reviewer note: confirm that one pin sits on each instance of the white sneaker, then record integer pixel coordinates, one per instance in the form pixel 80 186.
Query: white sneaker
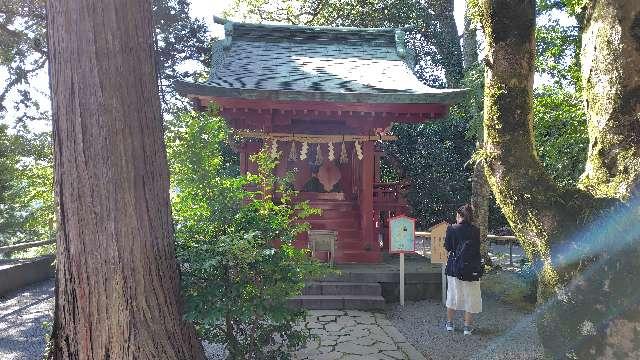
pixel 449 326
pixel 468 330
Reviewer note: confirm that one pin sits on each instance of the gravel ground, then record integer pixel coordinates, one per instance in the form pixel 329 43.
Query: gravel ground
pixel 23 314
pixel 21 318
pixel 501 332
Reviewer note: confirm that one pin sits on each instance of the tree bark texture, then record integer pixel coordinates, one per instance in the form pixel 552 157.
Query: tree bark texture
pixel 469 41
pixel 611 80
pixel 591 310
pixel 524 191
pixel 117 293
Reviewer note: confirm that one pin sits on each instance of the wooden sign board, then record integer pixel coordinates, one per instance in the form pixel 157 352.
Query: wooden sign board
pixel 402 234
pixel 438 252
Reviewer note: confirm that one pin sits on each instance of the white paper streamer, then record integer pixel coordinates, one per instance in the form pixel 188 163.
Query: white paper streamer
pixel 359 150
pixel 331 156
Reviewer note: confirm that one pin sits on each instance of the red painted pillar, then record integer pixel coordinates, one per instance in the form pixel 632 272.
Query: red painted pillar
pixel 366 204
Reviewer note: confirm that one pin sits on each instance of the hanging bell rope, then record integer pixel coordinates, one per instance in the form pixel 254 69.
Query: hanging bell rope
pixel 343 154
pixel 318 155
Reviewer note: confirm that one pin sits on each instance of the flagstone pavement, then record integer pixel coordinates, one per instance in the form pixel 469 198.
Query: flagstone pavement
pixel 354 334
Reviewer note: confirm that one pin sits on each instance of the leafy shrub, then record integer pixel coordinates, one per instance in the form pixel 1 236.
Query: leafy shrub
pixel 235 244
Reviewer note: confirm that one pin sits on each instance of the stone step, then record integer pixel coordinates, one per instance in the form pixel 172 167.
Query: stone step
pixel 342 288
pixel 337 302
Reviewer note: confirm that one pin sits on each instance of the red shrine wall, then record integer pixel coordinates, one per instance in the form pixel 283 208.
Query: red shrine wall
pixel 347 207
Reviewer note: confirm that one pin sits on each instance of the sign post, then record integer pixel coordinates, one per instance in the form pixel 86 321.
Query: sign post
pixel 439 253
pixel 402 239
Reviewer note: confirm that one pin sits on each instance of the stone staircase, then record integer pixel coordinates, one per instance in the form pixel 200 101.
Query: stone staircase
pixel 333 294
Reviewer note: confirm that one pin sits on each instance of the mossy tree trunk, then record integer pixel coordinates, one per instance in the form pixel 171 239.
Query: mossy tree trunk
pixel 528 197
pixel 587 314
pixel 117 279
pixel 480 192
pixel 611 81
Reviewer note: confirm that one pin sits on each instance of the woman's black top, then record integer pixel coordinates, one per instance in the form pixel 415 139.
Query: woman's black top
pixel 457 234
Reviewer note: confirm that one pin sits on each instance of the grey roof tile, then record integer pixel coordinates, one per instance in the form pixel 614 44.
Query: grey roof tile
pixel 276 59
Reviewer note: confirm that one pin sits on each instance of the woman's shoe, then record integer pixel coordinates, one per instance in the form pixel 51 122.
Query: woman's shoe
pixel 449 326
pixel 468 330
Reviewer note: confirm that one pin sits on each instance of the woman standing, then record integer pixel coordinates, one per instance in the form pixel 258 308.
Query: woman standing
pixel 464 268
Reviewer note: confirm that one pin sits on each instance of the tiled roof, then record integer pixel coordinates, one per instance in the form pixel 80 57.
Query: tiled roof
pixel 280 62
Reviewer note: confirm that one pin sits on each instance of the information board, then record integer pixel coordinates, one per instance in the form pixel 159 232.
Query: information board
pixel 438 252
pixel 402 234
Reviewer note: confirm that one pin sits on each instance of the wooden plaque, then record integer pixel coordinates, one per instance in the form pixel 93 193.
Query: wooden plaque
pixel 402 234
pixel 438 252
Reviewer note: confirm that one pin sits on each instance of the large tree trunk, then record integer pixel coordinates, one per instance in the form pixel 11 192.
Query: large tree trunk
pixel 117 294
pixel 595 315
pixel 611 80
pixel 526 194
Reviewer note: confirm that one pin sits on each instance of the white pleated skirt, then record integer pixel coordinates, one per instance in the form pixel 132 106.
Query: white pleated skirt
pixel 464 295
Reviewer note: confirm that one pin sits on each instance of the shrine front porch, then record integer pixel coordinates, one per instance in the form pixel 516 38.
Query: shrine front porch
pixel 370 286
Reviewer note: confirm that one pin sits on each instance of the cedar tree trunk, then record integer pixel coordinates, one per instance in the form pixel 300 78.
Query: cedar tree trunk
pixel 117 293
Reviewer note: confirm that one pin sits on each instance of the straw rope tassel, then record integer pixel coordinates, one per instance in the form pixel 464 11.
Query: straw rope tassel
pixel 318 155
pixel 304 150
pixel 292 152
pixel 343 154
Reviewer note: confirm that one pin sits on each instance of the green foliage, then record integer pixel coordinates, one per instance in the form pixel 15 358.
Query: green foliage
pixel 235 239
pixel 26 174
pixel 180 39
pixel 26 187
pixel 560 128
pixel 434 157
pixel 558 54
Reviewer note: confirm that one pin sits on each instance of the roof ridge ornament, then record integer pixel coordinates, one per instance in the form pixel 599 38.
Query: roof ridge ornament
pixel 228 35
pixel 401 48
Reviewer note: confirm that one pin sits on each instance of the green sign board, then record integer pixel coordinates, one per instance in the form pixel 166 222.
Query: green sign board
pixel 402 234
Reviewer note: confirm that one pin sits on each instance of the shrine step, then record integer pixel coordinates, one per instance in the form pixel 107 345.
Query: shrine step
pixel 337 302
pixel 333 288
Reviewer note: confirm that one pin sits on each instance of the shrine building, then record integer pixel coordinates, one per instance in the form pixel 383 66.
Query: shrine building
pixel 321 98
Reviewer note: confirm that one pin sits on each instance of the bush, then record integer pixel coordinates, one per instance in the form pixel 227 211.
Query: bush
pixel 239 265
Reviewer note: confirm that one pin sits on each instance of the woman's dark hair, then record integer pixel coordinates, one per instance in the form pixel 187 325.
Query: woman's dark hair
pixel 466 212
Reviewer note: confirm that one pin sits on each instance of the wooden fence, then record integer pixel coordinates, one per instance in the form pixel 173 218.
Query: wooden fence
pixel 492 239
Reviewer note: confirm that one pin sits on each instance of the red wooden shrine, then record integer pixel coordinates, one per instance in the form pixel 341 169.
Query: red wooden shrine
pixel 334 92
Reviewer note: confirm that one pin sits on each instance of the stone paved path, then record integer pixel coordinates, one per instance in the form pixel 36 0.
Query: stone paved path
pixel 353 334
